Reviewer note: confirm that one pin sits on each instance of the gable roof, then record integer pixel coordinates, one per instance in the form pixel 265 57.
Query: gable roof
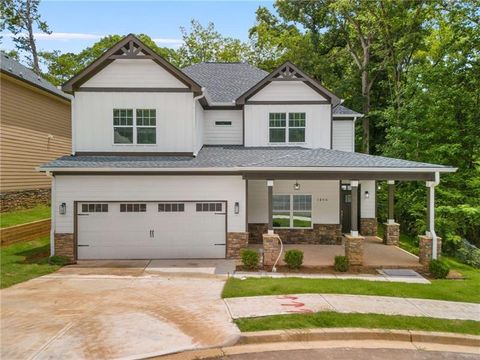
pixel 225 82
pixel 130 47
pixel 343 111
pixel 13 68
pixel 289 72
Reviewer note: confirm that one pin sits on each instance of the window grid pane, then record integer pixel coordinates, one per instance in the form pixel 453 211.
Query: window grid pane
pixel 146 117
pixel 123 117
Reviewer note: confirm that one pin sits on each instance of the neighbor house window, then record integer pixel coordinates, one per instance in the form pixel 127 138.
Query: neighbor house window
pixel 142 131
pixel 281 131
pixel 146 126
pixel 292 211
pixel 123 126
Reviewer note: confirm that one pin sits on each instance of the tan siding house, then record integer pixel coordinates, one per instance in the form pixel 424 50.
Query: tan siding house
pixel 35 128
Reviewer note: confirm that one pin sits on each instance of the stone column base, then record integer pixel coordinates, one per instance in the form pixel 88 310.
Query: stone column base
pixel 425 249
pixel 368 226
pixel 236 241
pixel 271 249
pixel 65 246
pixel 354 249
pixel 391 233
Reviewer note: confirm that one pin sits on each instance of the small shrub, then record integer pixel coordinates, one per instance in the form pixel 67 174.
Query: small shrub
pixel 341 263
pixel 250 259
pixel 468 254
pixel 293 258
pixel 439 269
pixel 59 260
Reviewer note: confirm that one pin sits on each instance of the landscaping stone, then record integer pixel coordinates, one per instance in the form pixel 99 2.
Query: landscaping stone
pixel 236 241
pixel 65 245
pixel 27 199
pixel 391 234
pixel 354 246
pixel 368 226
pixel 271 249
pixel 425 249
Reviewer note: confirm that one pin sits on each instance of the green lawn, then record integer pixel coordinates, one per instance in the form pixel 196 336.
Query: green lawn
pixel 335 320
pixel 23 261
pixel 454 290
pixel 24 216
pixel 407 242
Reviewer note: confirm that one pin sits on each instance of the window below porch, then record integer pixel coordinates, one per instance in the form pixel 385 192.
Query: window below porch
pixel 292 211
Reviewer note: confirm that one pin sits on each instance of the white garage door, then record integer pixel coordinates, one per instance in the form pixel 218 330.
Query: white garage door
pixel 151 230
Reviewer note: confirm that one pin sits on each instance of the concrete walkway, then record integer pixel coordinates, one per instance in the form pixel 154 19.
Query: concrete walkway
pixel 257 306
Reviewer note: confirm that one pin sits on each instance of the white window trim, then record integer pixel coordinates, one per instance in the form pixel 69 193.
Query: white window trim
pixel 287 127
pixel 134 126
pixel 290 212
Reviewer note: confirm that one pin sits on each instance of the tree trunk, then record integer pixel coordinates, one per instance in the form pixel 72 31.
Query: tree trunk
pixel 366 110
pixel 31 39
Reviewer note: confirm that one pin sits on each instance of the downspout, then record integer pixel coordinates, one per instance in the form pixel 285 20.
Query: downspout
pixel 72 124
pixel 53 207
pixel 194 127
pixel 431 231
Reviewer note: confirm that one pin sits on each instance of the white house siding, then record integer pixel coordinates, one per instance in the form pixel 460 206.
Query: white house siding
pixel 287 90
pixel 134 73
pixel 93 125
pixel 71 188
pixel 223 135
pixel 199 127
pixel 317 132
pixel 343 135
pixel 367 206
pixel 325 199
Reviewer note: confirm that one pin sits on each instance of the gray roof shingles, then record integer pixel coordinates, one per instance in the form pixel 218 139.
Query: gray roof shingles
pixel 241 157
pixel 343 110
pixel 17 70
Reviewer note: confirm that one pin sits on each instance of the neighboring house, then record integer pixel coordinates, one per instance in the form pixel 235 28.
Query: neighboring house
pixel 194 163
pixel 35 128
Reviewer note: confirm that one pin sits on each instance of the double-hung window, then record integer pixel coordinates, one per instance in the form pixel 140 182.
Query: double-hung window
pixel 142 130
pixel 281 131
pixel 292 211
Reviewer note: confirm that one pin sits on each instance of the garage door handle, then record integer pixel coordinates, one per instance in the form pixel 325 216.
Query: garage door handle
pixel 79 245
pixel 220 244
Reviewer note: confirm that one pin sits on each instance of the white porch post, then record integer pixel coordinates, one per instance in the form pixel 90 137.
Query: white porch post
pixel 391 201
pixel 431 213
pixel 354 204
pixel 270 206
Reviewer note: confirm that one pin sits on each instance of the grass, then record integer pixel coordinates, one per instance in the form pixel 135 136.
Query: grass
pixel 453 290
pixel 407 242
pixel 336 320
pixel 24 216
pixel 24 261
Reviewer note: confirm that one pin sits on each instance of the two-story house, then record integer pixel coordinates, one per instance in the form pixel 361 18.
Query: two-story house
pixel 195 163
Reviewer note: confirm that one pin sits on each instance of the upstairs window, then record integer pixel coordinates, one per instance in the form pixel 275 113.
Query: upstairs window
pixel 123 126
pixel 296 127
pixel 146 126
pixel 282 132
pixel 277 123
pixel 140 131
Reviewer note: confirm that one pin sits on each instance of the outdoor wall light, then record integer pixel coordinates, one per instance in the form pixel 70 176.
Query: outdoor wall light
pixel 62 208
pixel 367 195
pixel 296 186
pixel 237 208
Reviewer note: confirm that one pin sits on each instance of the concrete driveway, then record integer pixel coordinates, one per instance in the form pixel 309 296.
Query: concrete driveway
pixel 113 311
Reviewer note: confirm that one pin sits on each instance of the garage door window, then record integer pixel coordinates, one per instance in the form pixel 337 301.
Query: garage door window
pixel 133 207
pixel 171 207
pixel 207 207
pixel 86 208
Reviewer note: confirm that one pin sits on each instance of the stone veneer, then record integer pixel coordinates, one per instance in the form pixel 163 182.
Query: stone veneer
pixel 354 249
pixel 425 249
pixel 391 233
pixel 271 248
pixel 368 226
pixel 321 234
pixel 236 241
pixel 65 245
pixel 27 199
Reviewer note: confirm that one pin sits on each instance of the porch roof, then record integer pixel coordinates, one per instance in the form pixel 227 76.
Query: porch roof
pixel 253 162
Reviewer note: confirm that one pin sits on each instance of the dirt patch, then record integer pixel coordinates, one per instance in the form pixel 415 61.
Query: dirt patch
pixel 37 257
pixel 316 270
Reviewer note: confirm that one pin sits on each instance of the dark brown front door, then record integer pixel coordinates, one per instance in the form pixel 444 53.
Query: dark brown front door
pixel 346 207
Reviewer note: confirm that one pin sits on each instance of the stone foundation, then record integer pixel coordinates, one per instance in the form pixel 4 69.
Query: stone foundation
pixel 425 249
pixel 321 234
pixel 354 249
pixel 27 199
pixel 368 227
pixel 236 241
pixel 65 246
pixel 391 234
pixel 271 248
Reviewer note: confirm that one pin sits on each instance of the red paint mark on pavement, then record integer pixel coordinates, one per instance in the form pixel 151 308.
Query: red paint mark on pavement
pixel 296 304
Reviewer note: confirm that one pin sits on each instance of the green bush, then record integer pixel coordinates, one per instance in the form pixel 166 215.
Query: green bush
pixel 250 258
pixel 439 269
pixel 341 263
pixel 293 258
pixel 468 254
pixel 59 260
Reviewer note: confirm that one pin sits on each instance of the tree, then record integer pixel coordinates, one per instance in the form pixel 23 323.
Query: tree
pixel 22 19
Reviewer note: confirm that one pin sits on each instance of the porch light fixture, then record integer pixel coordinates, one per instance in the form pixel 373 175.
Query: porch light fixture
pixel 62 209
pixel 367 195
pixel 296 186
pixel 237 208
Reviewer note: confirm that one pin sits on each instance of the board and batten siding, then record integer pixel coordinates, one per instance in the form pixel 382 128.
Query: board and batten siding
pixel 223 134
pixel 317 131
pixel 93 120
pixel 134 73
pixel 287 90
pixel 325 199
pixel 139 188
pixel 343 136
pixel 35 128
pixel 368 206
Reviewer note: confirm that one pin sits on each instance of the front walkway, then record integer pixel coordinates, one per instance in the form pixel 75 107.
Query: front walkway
pixel 256 306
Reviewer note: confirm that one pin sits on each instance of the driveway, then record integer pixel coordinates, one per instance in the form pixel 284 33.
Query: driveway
pixel 119 310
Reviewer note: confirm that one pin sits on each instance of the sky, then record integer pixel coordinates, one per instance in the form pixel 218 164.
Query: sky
pixel 78 24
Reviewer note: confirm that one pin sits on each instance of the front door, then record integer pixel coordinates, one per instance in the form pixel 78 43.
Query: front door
pixel 346 207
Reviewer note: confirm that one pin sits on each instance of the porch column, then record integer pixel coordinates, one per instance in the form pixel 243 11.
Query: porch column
pixel 391 200
pixel 270 206
pixel 430 243
pixel 354 230
pixel 391 230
